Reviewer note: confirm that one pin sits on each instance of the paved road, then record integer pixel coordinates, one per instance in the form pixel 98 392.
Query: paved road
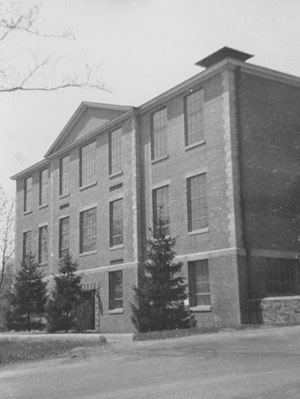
pixel 247 364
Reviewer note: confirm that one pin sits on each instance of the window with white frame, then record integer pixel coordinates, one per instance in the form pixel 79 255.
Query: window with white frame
pixel 88 230
pixel 43 244
pixel 116 222
pixel 64 175
pixel 159 134
pixel 64 234
pixel 199 290
pixel 115 290
pixel 161 207
pixel 197 202
pixel 194 120
pixel 88 164
pixel 27 194
pixel 115 151
pixel 44 181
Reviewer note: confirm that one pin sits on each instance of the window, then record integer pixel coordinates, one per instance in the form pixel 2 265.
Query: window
pixel 116 261
pixel 194 123
pixel 27 194
pixel 115 290
pixel 199 283
pixel 115 150
pixel 64 175
pixel 282 277
pixel 159 134
pixel 87 164
pixel 64 233
pixel 26 245
pixel 43 200
pixel 161 206
pixel 116 222
pixel 43 244
pixel 197 203
pixel 88 230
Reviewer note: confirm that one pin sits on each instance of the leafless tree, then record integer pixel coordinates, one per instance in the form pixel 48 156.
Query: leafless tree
pixel 7 219
pixel 36 70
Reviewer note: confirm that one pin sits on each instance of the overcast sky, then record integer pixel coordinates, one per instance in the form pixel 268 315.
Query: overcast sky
pixel 145 47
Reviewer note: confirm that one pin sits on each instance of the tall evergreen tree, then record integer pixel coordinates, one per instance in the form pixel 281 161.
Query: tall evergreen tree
pixel 29 295
pixel 161 291
pixel 65 296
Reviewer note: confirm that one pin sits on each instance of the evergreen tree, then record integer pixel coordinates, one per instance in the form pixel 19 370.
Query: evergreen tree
pixel 161 291
pixel 61 307
pixel 28 297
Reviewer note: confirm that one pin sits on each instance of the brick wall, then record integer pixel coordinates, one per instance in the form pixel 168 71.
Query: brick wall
pixel 270 170
pixel 270 126
pixel 215 158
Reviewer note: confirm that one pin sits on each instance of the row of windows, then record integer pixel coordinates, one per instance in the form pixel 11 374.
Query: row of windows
pixel 198 279
pixel 87 230
pixel 193 121
pixel 199 290
pixel 194 133
pixel 282 278
pixel 196 203
pixel 87 170
pixel 197 220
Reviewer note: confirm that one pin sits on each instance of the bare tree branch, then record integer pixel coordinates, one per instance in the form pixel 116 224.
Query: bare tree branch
pixel 25 23
pixel 18 75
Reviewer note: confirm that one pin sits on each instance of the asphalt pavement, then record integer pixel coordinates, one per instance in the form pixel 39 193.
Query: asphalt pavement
pixel 255 363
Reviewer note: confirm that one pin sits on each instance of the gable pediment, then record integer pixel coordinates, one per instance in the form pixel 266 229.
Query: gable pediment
pixel 87 118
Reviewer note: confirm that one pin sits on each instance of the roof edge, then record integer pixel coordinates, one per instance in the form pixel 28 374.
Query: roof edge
pixel 24 172
pixel 77 114
pixel 98 130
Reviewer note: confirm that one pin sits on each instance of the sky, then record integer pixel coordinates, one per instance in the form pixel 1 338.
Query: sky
pixel 143 47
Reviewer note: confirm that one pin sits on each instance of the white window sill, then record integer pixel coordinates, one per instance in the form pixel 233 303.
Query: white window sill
pixel 190 147
pixel 121 246
pixel 201 308
pixel 200 231
pixel 88 253
pixel 43 206
pixel 154 161
pixel 116 311
pixel 64 195
pixel 87 186
pixel 117 174
pixel 27 212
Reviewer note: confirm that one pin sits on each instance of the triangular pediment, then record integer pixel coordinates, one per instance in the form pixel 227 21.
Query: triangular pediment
pixel 87 118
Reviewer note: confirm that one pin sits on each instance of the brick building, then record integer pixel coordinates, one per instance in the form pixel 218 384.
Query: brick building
pixel 220 152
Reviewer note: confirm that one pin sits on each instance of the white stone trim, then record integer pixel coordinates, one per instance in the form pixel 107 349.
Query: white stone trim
pixel 272 253
pixel 196 172
pixel 161 184
pixel 108 268
pixel 211 254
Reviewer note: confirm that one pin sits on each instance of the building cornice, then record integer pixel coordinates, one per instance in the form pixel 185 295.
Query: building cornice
pixel 77 115
pixel 33 168
pixel 270 74
pixel 90 136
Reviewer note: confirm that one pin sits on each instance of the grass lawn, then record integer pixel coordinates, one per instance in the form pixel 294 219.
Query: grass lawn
pixel 13 350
